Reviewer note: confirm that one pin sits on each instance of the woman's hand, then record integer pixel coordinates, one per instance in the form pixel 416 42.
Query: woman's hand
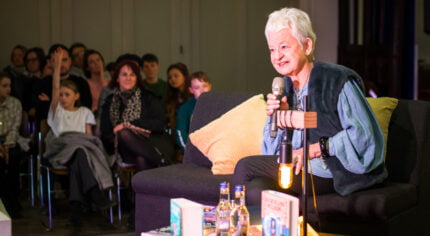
pixel 43 97
pixel 273 104
pixel 120 127
pixel 314 151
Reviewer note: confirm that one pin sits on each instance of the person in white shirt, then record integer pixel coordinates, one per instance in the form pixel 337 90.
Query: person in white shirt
pixel 74 145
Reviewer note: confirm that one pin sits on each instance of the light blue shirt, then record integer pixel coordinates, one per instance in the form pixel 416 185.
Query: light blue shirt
pixel 359 146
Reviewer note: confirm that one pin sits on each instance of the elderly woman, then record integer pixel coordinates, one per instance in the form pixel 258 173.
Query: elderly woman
pixel 134 120
pixel 346 150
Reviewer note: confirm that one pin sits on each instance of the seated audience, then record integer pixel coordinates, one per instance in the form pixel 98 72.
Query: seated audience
pixel 16 68
pixel 151 81
pixel 73 145
pixel 77 52
pixel 43 94
pixel 34 61
pixel 94 72
pixel 177 91
pixel 10 121
pixel 133 120
pixel 200 83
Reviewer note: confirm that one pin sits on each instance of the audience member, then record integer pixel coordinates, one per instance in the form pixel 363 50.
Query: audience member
pixel 34 61
pixel 10 121
pixel 40 103
pixel 77 52
pixel 151 81
pixel 46 88
pixel 22 84
pixel 47 69
pixel 134 119
pixel 16 68
pixel 94 71
pixel 73 145
pixel 132 57
pixel 200 83
pixel 177 92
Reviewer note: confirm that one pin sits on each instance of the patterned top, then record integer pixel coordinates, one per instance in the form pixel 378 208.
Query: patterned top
pixel 10 119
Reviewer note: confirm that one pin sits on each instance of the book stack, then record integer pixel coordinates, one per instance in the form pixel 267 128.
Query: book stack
pixel 186 217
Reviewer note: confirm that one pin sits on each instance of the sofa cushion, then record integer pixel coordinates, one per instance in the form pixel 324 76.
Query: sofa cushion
pixel 383 108
pixel 181 180
pixel 209 107
pixel 377 203
pixel 234 135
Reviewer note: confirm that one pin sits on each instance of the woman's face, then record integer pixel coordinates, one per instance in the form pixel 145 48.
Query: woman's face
pixel 18 57
pixel 286 53
pixel 33 62
pixel 68 98
pixel 5 87
pixel 176 78
pixel 95 63
pixel 127 78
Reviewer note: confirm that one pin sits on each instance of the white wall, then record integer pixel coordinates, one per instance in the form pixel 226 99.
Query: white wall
pixel 324 16
pixel 224 38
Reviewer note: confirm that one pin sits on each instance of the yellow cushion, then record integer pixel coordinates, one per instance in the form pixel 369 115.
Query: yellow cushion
pixel 383 107
pixel 236 134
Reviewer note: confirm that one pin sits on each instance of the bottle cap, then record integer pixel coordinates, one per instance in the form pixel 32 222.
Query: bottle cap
pixel 223 184
pixel 239 187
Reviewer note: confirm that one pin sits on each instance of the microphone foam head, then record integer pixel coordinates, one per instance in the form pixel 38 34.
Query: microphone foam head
pixel 278 86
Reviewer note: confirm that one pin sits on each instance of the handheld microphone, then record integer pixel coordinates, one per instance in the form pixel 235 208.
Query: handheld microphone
pixel 277 89
pixel 285 171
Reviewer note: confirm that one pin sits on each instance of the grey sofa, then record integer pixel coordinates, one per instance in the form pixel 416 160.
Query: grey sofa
pixel 193 179
pixel 399 206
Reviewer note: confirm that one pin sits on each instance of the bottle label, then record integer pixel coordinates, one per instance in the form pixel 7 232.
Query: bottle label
pixel 224 225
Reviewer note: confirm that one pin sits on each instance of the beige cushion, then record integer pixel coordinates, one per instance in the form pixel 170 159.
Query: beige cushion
pixel 383 108
pixel 236 134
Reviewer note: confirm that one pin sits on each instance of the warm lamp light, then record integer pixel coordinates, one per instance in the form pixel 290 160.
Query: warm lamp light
pixel 285 175
pixel 285 169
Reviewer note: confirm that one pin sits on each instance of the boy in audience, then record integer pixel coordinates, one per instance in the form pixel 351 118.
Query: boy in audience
pixel 200 83
pixel 152 82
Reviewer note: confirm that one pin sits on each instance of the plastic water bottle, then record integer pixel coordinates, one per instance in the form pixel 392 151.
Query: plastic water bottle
pixel 239 217
pixel 223 210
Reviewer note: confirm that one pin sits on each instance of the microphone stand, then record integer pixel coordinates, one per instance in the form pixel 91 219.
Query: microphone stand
pixel 305 172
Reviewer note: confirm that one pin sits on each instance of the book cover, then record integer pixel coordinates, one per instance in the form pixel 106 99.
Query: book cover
pixel 186 217
pixel 279 213
pixel 209 216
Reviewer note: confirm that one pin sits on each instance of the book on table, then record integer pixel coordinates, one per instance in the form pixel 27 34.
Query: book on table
pixel 279 213
pixel 186 217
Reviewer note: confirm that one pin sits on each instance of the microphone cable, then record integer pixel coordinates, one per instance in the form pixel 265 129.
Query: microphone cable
pixel 314 196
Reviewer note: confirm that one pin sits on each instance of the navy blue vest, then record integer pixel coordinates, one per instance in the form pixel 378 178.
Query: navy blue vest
pixel 325 84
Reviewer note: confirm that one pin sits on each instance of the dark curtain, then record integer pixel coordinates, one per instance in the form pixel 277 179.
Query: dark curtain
pixel 383 53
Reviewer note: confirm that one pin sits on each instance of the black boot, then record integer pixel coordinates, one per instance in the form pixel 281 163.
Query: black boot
pixel 75 214
pixel 99 199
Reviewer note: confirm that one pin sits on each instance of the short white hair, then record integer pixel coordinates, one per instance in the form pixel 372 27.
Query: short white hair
pixel 296 20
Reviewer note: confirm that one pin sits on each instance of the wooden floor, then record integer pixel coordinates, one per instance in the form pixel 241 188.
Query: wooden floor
pixel 34 222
